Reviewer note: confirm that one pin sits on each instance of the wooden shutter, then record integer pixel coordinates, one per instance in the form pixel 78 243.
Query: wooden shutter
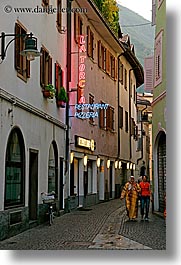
pixel 99 53
pixel 42 67
pixel 88 41
pixel 101 118
pixel 115 69
pixel 120 117
pixel 17 48
pixel 148 73
pixel 76 27
pixel 107 62
pixel 49 70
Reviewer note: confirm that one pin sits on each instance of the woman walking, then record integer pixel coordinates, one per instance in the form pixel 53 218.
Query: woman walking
pixel 130 192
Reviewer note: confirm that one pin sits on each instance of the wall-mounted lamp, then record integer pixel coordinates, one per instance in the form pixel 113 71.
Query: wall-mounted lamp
pixel 108 163
pixel 131 165
pixel 71 157
pixel 134 166
pixel 128 165
pixel 98 161
pixel 85 160
pixel 116 164
pixel 30 50
pixel 120 164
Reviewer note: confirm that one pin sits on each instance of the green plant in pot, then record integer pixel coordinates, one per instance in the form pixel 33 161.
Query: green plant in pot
pixel 49 91
pixel 62 97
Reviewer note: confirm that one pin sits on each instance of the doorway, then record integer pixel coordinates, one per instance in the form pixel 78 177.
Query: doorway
pixel 33 184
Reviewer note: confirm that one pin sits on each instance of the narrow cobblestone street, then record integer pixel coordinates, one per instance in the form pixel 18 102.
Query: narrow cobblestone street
pixel 103 226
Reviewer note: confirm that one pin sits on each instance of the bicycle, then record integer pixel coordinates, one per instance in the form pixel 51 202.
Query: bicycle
pixel 49 199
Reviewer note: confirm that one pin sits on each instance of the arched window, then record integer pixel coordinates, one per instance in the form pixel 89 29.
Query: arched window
pixel 52 169
pixel 14 170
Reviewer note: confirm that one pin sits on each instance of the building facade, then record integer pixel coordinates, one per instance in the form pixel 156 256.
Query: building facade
pixel 159 105
pixel 32 145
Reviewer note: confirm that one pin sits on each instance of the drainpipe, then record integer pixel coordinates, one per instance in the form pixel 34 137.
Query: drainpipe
pixel 141 137
pixel 67 165
pixel 129 95
pixel 119 104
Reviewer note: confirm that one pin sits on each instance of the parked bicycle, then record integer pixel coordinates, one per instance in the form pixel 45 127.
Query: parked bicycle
pixel 49 199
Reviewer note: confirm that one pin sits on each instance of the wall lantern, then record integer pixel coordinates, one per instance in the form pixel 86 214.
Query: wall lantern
pixel 120 164
pixel 134 166
pixel 85 160
pixel 128 165
pixel 71 157
pixel 30 50
pixel 108 163
pixel 98 161
pixel 131 165
pixel 116 164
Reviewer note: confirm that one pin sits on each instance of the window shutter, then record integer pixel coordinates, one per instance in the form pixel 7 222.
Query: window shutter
pixel 56 76
pixel 42 68
pixel 107 62
pixel 27 68
pixel 115 69
pixel 17 48
pixel 148 73
pixel 120 117
pixel 76 27
pixel 99 53
pixel 88 41
pixel 50 70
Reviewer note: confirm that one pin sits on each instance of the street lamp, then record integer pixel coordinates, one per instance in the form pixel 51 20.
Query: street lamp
pixel 98 161
pixel 30 50
pixel 108 163
pixel 120 164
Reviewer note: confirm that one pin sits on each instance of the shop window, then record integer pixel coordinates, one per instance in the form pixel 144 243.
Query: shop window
pixel 45 68
pixel 22 65
pixel 14 170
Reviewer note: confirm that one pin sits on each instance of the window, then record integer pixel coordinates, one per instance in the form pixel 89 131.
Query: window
pixel 158 59
pixel 91 101
pixel 131 87
pixel 125 79
pixel 78 26
pixel 120 117
pixel 14 170
pixel 45 68
pixel 108 64
pixel 59 15
pixel 134 95
pixel 126 121
pixel 90 43
pixel 132 127
pixel 22 65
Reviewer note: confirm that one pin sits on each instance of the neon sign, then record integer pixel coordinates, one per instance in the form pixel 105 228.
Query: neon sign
pixel 81 69
pixel 90 114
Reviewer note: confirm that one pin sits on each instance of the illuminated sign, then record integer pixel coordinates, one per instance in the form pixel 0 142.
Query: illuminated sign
pixel 83 142
pixel 91 114
pixel 81 69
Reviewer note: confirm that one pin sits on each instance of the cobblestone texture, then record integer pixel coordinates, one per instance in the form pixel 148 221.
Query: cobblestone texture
pixel 79 229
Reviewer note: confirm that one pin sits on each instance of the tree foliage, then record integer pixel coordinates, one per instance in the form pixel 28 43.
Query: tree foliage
pixel 110 12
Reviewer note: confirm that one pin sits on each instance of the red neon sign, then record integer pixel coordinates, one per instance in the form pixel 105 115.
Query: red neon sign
pixel 81 69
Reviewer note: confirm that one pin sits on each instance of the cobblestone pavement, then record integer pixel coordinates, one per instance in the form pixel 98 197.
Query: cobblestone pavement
pixel 102 226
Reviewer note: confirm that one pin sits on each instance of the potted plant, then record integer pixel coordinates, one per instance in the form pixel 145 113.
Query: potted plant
pixel 62 98
pixel 49 91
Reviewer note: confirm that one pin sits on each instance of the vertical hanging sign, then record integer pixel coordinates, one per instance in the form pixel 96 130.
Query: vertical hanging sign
pixel 81 70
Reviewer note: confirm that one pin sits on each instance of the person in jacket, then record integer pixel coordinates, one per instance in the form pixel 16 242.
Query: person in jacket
pixel 130 193
pixel 145 197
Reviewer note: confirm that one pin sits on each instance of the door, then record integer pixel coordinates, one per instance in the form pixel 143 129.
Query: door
pixel 33 184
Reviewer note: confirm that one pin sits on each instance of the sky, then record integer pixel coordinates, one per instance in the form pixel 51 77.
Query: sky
pixel 142 7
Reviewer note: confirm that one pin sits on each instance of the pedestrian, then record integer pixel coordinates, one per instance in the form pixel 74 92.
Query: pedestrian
pixel 145 197
pixel 130 193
